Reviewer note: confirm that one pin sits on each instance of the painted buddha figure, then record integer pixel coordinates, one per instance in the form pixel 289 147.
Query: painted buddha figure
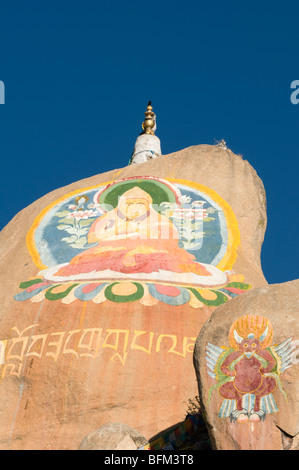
pixel 133 238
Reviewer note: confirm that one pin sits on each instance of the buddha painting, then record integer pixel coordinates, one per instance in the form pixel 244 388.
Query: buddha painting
pixel 135 241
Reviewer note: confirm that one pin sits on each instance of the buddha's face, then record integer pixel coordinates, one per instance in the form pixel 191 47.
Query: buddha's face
pixel 133 208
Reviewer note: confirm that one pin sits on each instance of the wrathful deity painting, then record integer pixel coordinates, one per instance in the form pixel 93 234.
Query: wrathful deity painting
pixel 248 371
pixel 140 238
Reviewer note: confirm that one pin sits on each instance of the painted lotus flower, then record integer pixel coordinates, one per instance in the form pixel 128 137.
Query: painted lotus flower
pixel 79 215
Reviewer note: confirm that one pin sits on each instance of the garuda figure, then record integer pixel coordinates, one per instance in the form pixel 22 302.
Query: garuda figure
pixel 249 371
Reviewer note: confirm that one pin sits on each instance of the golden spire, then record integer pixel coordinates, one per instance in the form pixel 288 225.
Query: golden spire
pixel 149 122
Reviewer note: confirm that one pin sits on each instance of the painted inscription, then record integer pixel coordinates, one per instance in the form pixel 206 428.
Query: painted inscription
pixel 249 370
pixel 87 342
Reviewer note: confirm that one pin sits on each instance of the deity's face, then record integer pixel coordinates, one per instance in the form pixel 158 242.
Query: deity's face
pixel 133 208
pixel 250 346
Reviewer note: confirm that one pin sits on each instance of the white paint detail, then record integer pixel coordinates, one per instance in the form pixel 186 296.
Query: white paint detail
pixel 216 278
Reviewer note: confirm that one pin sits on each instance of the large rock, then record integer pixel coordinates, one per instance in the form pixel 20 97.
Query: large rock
pixel 89 347
pixel 264 321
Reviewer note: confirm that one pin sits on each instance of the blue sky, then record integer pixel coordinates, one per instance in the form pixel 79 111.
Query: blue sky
pixel 78 76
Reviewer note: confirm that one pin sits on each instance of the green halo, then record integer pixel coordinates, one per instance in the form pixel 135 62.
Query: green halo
pixel 158 191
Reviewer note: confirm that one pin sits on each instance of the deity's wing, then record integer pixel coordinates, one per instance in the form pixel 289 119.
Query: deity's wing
pixel 284 354
pixel 214 358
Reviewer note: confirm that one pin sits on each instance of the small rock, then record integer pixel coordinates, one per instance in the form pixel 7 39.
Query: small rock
pixel 113 436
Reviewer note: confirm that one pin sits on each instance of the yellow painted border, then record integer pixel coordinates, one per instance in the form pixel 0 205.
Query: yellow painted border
pixel 232 224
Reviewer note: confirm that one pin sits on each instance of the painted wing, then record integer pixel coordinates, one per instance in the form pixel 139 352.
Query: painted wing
pixel 214 358
pixel 284 354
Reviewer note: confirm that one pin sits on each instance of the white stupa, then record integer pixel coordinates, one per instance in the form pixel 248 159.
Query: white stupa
pixel 147 145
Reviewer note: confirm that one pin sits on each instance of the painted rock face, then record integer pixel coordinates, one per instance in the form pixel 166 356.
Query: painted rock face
pixel 123 274
pixel 174 240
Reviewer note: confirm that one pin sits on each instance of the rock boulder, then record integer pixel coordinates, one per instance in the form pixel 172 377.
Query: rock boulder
pixel 113 436
pixel 96 345
pixel 246 359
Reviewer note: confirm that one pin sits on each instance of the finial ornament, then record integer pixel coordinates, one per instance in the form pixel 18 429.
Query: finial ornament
pixel 149 123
